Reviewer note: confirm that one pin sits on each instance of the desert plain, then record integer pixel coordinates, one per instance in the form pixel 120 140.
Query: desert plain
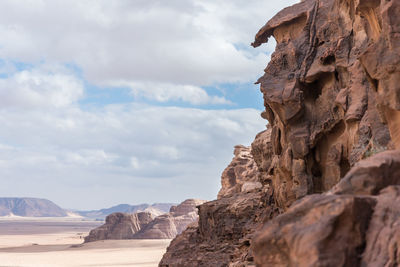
pixel 57 242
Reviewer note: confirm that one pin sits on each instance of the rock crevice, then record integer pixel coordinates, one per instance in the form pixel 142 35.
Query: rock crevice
pixel 325 170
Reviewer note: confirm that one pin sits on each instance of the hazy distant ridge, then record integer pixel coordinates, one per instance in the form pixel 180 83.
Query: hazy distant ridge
pixel 38 207
pixel 126 208
pixel 30 207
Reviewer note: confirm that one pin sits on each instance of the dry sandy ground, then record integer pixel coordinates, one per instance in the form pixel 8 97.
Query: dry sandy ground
pixel 57 243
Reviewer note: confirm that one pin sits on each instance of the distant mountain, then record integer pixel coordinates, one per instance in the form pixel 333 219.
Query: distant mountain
pixel 156 209
pixel 30 207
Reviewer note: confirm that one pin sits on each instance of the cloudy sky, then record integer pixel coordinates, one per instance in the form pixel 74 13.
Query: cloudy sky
pixel 127 101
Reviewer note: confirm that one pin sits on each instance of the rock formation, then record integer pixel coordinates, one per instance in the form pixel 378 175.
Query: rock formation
pixel 240 175
pixel 155 209
pixel 169 225
pixel 144 225
pixel 120 226
pixel 327 164
pixel 353 224
pixel 226 225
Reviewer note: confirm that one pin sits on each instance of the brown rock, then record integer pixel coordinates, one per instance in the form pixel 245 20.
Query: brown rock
pixel 222 235
pixel 226 225
pixel 162 227
pixel 241 170
pixel 319 96
pixel 319 230
pixel 144 225
pixel 357 226
pixel 383 237
pixel 331 96
pixel 169 225
pixel 370 176
pixel 120 226
pixel 262 151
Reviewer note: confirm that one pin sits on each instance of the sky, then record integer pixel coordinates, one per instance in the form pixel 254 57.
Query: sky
pixel 127 101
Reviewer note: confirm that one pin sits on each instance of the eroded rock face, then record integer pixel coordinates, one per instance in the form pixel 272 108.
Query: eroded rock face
pixel 169 225
pixel 310 232
pixel 331 96
pixel 240 175
pixel 357 226
pixel 370 176
pixel 321 92
pixel 120 226
pixel 144 225
pixel 226 225
pixel 222 234
pixel 383 237
pixel 331 99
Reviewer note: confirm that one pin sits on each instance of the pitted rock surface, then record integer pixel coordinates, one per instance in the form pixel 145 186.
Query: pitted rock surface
pixel 328 162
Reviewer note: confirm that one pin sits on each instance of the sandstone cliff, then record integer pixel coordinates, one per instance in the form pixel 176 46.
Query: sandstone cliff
pixel 120 226
pixel 171 224
pixel 226 225
pixel 326 169
pixel 144 225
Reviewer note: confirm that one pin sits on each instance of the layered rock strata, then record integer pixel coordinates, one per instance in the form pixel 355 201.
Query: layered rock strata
pixel 331 97
pixel 343 83
pixel 240 175
pixel 120 226
pixel 354 224
pixel 174 222
pixel 323 101
pixel 144 225
pixel 226 225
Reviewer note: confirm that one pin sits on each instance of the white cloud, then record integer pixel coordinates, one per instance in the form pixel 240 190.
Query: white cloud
pixel 149 153
pixel 164 92
pixel 179 42
pixel 164 51
pixel 40 88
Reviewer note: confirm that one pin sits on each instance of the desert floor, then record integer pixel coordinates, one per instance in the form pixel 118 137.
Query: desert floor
pixel 50 242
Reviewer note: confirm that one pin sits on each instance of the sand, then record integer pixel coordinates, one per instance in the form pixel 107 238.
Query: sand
pixel 50 242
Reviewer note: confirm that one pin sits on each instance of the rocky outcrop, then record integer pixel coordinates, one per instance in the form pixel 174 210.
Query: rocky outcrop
pixel 240 175
pixel 354 224
pixel 144 225
pixel 120 226
pixel 382 239
pixel 308 234
pixel 30 207
pixel 326 163
pixel 169 225
pixel 340 70
pixel 155 209
pixel 226 225
pixel 320 97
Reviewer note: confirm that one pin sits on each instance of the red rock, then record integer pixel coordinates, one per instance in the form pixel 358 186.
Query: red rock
pixel 241 170
pixel 353 225
pixel 319 96
pixel 383 237
pixel 332 99
pixel 319 230
pixel 226 225
pixel 370 176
